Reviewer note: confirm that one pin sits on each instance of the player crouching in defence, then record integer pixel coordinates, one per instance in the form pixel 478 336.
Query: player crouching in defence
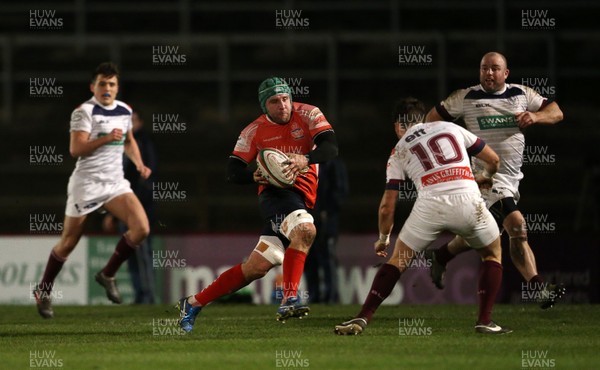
pixel 435 156
pixel 303 133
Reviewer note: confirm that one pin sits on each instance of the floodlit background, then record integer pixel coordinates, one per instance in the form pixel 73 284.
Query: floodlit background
pixel 191 69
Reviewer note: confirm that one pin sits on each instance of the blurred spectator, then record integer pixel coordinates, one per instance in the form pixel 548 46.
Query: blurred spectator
pixel 140 263
pixel 321 262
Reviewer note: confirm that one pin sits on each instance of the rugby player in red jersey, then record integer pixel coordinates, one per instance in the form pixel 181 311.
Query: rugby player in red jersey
pixel 303 133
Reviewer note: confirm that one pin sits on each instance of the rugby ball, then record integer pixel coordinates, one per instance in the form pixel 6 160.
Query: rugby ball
pixel 272 163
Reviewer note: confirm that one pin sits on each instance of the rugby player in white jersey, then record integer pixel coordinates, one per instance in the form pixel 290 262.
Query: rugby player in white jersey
pixel 100 134
pixel 435 156
pixel 498 112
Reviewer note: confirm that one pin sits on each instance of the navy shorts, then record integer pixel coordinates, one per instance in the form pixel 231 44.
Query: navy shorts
pixel 275 204
pixel 503 208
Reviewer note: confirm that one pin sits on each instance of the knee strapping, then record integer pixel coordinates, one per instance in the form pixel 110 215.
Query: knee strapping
pixel 275 250
pixel 294 219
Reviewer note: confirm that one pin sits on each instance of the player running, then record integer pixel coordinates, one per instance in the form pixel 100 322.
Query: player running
pixel 303 133
pixel 435 156
pixel 498 112
pixel 100 134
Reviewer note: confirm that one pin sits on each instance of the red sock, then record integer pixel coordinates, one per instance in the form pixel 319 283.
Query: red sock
pixel 384 282
pixel 490 278
pixel 53 267
pixel 443 255
pixel 293 266
pixel 228 282
pixel 122 252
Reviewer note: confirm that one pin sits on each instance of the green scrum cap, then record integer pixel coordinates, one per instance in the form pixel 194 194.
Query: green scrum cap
pixel 272 86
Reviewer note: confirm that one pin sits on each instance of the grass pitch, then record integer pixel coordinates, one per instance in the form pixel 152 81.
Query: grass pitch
pixel 248 337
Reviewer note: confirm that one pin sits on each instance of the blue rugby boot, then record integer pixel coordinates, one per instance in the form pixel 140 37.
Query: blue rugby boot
pixel 292 308
pixel 187 314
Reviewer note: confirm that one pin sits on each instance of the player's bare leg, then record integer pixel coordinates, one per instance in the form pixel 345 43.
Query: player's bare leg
pixel 490 279
pixel 301 238
pixel 237 277
pixel 72 231
pixel 384 282
pixel 127 208
pixel 520 251
pixel 524 260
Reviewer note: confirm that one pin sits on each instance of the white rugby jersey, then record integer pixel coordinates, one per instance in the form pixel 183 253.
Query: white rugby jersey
pixel 491 116
pixel 435 156
pixel 105 163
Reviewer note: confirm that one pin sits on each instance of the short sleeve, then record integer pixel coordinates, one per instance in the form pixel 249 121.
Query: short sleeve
pixel 534 100
pixel 395 174
pixel 81 120
pixel 472 143
pixel 452 108
pixel 245 147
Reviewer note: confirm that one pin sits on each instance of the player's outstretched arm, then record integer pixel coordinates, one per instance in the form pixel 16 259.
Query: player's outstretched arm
pixel 387 209
pixel 80 144
pixel 133 152
pixel 548 115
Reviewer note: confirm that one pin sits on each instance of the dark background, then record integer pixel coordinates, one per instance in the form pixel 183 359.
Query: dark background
pixel 347 56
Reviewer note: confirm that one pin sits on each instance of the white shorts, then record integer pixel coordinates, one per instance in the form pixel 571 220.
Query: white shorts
pixel 496 194
pixel 464 214
pixel 85 196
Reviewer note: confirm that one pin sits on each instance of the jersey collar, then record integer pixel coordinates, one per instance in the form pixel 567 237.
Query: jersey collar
pixel 279 124
pixel 107 107
pixel 499 92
